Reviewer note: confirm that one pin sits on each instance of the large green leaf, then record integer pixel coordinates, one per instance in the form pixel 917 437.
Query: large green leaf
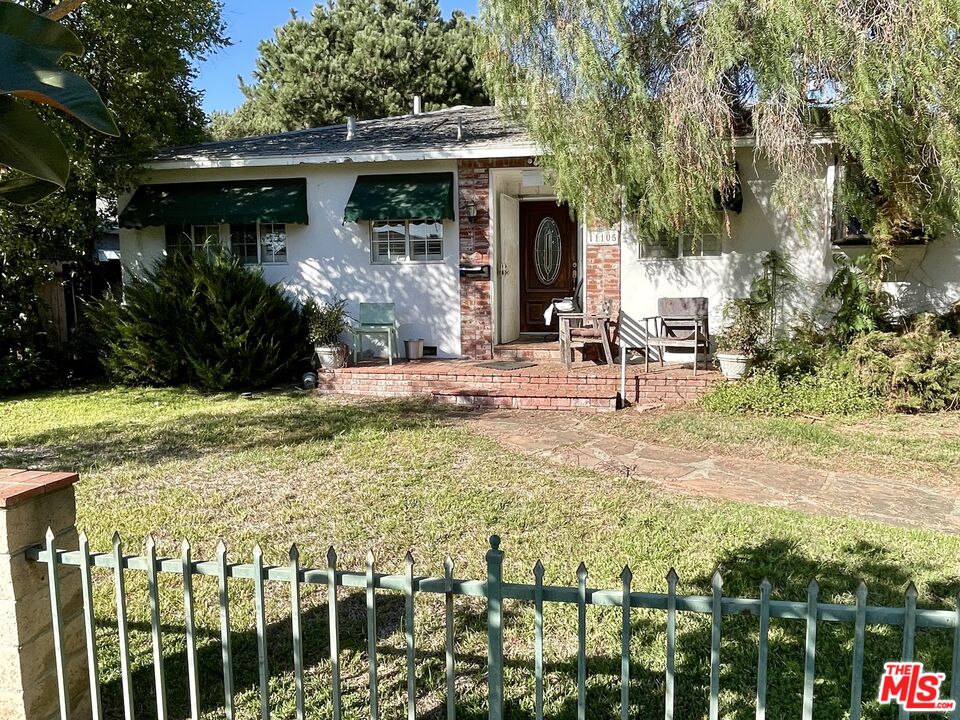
pixel 38 31
pixel 28 145
pixel 26 190
pixel 32 74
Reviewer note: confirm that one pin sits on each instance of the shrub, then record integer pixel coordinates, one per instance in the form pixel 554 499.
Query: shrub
pixel 200 319
pixel 805 350
pixel 325 322
pixel 745 328
pixel 828 392
pixel 863 303
pixel 917 371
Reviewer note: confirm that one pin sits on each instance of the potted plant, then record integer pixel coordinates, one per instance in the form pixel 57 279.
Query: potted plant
pixel 325 323
pixel 742 338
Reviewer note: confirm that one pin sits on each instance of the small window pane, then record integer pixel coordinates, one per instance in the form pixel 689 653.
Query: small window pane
pixel 426 240
pixel 243 242
pixel 706 245
pixel 203 234
pixel 662 247
pixel 273 243
pixel 178 238
pixel 389 241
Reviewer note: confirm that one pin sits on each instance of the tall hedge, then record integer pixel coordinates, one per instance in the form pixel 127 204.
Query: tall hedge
pixel 200 319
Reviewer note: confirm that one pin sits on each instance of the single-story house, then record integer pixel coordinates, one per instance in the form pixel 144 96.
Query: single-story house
pixel 449 215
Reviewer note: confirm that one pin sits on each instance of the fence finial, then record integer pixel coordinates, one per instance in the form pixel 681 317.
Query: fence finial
pixel 150 543
pixel 370 558
pixel 331 556
pixel 221 547
pixel 538 570
pixel 672 577
pixel 257 551
pixel 911 591
pixel 409 559
pixel 494 542
pixel 766 585
pixel 626 574
pixel 717 580
pixel 448 564
pixel 581 571
pixel 116 540
pixel 294 552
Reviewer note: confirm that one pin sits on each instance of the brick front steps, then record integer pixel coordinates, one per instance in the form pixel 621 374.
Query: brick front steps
pixel 546 386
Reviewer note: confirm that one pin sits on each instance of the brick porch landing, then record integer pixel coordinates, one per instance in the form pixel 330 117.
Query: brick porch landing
pixel 546 386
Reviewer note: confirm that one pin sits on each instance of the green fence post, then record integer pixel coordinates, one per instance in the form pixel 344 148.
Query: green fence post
pixel 810 651
pixel 672 579
pixel 626 576
pixel 763 651
pixel 582 641
pixel 955 672
pixel 717 615
pixel 495 628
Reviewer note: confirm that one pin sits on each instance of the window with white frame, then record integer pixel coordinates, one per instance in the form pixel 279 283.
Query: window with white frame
pixel 191 237
pixel 259 243
pixel 671 247
pixel 394 241
pixel 661 247
pixel 702 245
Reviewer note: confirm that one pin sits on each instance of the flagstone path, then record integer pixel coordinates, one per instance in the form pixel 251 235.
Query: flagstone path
pixel 567 439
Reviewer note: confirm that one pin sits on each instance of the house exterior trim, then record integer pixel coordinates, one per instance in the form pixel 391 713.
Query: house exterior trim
pixel 522 151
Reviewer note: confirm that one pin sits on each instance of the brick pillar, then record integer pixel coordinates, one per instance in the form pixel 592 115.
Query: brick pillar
pixel 31 501
pixel 603 278
pixel 476 294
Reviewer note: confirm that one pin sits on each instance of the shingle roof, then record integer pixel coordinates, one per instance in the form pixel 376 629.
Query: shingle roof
pixel 482 127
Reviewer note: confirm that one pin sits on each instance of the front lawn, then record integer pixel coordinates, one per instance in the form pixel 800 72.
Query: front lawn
pixel 394 476
pixel 921 448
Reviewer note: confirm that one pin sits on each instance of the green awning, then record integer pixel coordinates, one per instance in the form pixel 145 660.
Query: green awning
pixel 401 197
pixel 212 203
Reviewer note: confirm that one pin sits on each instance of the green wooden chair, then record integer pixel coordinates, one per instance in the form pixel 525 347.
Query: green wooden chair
pixel 375 319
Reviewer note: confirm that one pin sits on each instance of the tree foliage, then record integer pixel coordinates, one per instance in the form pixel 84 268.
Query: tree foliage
pixel 141 59
pixel 363 58
pixel 642 99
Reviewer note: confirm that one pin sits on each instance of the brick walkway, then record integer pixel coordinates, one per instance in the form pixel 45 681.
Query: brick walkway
pixel 569 440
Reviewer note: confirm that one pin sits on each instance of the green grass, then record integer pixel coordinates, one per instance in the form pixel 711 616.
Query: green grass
pixel 394 476
pixel 919 448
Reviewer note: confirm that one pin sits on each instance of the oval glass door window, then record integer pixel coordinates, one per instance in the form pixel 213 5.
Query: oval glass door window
pixel 546 251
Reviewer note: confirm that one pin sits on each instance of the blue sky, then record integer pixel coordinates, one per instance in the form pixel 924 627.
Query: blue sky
pixel 249 22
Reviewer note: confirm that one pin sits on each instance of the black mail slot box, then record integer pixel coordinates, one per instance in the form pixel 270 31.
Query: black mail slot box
pixel 475 271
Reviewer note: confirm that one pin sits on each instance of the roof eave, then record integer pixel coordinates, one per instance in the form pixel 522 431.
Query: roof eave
pixel 450 153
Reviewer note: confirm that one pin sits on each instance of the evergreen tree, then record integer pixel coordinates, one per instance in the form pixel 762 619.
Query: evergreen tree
pixel 365 58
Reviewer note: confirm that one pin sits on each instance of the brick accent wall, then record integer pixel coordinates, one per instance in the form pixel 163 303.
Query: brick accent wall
pixel 476 294
pixel 542 387
pixel 603 278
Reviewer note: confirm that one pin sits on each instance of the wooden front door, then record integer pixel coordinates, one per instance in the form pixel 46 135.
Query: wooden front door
pixel 548 260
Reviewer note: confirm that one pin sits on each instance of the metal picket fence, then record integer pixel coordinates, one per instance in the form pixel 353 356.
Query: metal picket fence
pixel 811 612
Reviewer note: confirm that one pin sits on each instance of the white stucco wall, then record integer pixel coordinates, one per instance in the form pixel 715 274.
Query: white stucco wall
pixel 327 258
pixel 929 277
